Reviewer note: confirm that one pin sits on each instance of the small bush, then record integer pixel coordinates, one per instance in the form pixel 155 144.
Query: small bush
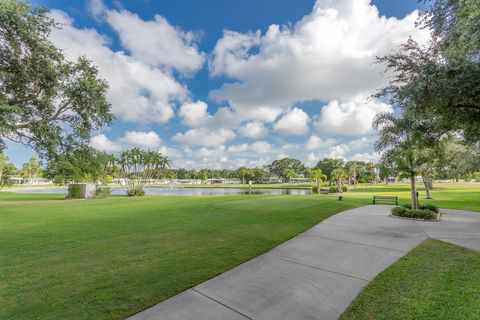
pixel 136 193
pixel 103 192
pixel 334 189
pixel 427 206
pixel 74 191
pixel 403 211
pixel 399 211
pixel 430 207
pixel 315 189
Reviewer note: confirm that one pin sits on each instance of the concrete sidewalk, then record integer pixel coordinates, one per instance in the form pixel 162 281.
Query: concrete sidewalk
pixel 318 273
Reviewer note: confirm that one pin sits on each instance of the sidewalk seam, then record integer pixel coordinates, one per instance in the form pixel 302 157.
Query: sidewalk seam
pixel 318 268
pixel 226 306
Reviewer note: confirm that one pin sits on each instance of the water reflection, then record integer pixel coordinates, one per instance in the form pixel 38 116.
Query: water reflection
pixel 207 191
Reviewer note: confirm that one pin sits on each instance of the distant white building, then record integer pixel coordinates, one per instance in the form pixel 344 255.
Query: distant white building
pixel 30 181
pixel 272 180
pixel 223 181
pixel 185 181
pixel 299 180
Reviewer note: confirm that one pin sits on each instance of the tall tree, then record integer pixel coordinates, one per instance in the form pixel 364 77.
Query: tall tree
pixel 6 171
pixel 440 81
pixel 403 138
pixel 46 102
pixel 137 167
pixel 317 176
pixel 31 169
pixel 338 175
pixel 327 165
pixel 286 168
pixel 82 164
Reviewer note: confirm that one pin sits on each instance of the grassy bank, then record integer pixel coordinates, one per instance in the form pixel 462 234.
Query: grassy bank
pixel 436 280
pixel 464 196
pixel 107 259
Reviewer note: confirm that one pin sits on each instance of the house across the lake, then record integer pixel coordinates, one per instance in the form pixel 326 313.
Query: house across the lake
pixel 30 181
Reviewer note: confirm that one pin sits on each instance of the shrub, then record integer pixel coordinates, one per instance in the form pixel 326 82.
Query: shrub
pixel 430 207
pixel 334 189
pixel 399 211
pixel 136 193
pixel 405 212
pixel 103 192
pixel 427 206
pixel 74 191
pixel 315 189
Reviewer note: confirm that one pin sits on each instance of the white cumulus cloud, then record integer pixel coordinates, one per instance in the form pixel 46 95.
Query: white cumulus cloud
pixel 140 139
pixel 293 123
pixel 204 137
pixel 140 91
pixel 253 129
pixel 144 140
pixel 101 142
pixel 156 42
pixel 351 118
pixel 194 114
pixel 327 55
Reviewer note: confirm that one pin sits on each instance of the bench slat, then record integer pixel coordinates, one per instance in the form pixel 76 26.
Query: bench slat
pixel 385 199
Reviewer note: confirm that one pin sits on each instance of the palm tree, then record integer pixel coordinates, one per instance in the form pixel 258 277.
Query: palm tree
pixel 352 170
pixel 405 137
pixel 317 176
pixel 338 175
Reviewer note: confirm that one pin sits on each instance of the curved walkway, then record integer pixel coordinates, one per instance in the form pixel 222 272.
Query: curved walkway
pixel 319 272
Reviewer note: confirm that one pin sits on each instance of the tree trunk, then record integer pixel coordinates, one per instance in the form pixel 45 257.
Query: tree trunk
pixel 413 190
pixel 426 182
pixel 354 178
pixel 340 185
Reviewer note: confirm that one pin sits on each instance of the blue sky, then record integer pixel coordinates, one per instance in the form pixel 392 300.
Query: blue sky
pixel 229 83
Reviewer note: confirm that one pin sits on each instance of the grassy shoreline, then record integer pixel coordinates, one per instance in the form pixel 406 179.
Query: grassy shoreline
pixel 110 258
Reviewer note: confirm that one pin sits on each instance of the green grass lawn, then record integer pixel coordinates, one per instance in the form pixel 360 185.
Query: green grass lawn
pixel 436 280
pixel 107 259
pixel 463 196
pixel 110 258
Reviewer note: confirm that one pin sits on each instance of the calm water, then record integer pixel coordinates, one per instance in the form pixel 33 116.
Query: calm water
pixel 181 191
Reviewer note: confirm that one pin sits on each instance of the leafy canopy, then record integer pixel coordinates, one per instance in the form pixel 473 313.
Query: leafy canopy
pixel 286 168
pixel 440 81
pixel 46 102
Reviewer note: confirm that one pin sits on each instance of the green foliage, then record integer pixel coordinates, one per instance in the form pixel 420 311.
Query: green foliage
pixel 399 211
pixel 46 101
pixel 136 193
pixel 427 206
pixel 316 175
pixel 31 169
pixel 82 164
pixel 327 165
pixel 414 213
pixel 338 175
pixel 103 192
pixel 6 171
pixel 136 167
pixel 287 168
pixel 74 192
pixel 440 82
pixel 335 189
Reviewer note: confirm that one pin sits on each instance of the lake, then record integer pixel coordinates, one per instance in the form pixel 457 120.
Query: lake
pixel 179 191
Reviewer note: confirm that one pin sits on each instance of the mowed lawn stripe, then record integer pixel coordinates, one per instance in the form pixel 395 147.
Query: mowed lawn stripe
pixel 107 259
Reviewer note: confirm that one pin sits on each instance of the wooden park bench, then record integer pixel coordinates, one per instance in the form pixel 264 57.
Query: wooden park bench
pixel 385 199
